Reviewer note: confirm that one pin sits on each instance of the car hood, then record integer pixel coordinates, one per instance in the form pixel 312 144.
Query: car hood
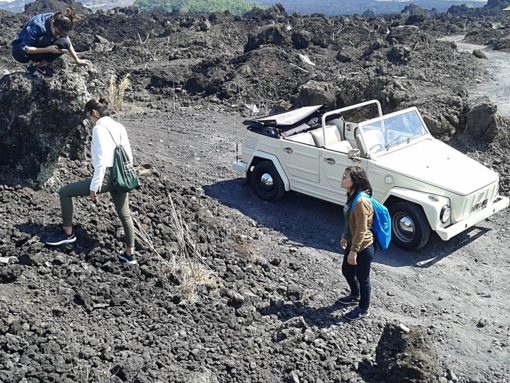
pixel 438 164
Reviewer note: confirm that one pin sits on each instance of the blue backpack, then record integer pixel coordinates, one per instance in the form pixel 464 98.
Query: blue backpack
pixel 381 226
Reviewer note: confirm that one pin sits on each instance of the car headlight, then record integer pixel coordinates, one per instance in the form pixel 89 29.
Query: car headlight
pixel 444 216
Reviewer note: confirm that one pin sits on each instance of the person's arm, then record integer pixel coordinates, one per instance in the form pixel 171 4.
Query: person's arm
pixel 75 57
pixel 52 49
pixel 97 162
pixel 361 214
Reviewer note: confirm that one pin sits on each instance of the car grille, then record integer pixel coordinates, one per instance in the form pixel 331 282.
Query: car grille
pixel 478 200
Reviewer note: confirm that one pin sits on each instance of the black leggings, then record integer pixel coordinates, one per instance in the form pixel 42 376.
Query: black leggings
pixel 358 277
pixel 21 56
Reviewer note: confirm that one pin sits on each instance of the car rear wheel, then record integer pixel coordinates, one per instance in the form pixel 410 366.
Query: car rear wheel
pixel 266 182
pixel 409 226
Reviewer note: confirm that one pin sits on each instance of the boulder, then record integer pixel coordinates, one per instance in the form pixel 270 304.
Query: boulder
pixel 41 120
pixel 301 39
pixel 316 93
pixel 478 53
pixel 399 54
pixel 480 121
pixel 43 6
pixel 271 34
pixel 348 54
pixel 406 355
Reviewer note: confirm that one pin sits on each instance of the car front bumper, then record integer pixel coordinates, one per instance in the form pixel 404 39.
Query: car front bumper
pixel 240 167
pixel 451 231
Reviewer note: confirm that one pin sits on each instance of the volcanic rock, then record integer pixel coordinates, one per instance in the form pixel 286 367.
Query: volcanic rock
pixel 481 121
pixel 41 120
pixel 45 6
pixel 407 357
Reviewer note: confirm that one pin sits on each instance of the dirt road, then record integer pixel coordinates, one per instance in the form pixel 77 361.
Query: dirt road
pixel 458 289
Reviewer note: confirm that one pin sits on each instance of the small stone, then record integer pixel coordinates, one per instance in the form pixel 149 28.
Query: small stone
pixel 293 377
pixel 482 322
pixel 451 376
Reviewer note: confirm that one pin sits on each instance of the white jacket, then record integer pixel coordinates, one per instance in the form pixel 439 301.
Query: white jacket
pixel 103 147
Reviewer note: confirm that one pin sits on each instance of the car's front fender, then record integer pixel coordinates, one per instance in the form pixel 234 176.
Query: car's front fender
pixel 276 163
pixel 430 203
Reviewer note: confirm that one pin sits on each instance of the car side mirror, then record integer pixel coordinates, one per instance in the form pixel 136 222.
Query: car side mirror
pixel 353 154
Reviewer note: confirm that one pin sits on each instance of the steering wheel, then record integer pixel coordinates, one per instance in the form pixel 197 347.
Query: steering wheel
pixel 397 140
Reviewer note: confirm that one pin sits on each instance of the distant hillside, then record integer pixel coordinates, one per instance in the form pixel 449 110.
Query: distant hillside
pixel 327 7
pixel 347 7
pixel 236 7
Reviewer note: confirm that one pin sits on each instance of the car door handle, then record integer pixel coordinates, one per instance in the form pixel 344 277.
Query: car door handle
pixel 288 150
pixel 330 161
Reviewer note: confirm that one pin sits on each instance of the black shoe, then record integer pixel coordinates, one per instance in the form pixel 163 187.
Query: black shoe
pixel 356 314
pixel 127 259
pixel 349 300
pixel 47 71
pixel 31 69
pixel 60 239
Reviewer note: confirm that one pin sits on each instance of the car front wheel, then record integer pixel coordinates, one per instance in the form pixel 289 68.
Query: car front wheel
pixel 409 226
pixel 266 182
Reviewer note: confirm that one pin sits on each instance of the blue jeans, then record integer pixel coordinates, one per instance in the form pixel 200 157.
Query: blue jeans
pixel 358 277
pixel 19 54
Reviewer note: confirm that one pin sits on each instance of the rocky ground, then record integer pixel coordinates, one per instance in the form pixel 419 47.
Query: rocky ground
pixel 267 276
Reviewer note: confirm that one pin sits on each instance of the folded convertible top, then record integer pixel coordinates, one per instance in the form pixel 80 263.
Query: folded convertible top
pixel 289 118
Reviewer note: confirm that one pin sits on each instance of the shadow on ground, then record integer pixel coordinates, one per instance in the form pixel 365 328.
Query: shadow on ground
pixel 84 242
pixel 321 317
pixel 318 224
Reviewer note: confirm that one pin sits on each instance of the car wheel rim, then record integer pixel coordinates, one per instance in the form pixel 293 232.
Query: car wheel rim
pixel 404 228
pixel 266 181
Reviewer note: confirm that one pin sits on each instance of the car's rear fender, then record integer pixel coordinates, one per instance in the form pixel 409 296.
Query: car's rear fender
pixel 261 156
pixel 430 203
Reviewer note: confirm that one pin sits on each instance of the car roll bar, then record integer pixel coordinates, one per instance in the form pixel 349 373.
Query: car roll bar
pixel 336 111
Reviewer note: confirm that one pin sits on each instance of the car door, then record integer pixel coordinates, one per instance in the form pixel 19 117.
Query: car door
pixel 301 163
pixel 332 167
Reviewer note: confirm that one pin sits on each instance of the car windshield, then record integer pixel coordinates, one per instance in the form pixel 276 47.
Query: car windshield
pixel 385 133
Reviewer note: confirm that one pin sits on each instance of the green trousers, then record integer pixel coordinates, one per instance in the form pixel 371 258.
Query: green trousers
pixel 82 189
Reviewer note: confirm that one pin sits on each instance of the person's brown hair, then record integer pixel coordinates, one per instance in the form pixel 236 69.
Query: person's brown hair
pixel 64 21
pixel 360 182
pixel 100 105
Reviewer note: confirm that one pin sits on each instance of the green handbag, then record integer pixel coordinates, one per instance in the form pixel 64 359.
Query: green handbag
pixel 123 176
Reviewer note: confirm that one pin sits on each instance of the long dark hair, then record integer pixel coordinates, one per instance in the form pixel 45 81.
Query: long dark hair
pixel 360 182
pixel 100 105
pixel 64 21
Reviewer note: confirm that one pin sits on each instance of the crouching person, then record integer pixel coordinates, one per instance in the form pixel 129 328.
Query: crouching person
pixel 43 39
pixel 106 133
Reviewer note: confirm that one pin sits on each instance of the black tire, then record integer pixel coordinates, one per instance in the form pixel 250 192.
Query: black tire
pixel 409 215
pixel 265 191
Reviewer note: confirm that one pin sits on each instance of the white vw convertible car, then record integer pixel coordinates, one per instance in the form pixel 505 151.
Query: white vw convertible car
pixel 426 184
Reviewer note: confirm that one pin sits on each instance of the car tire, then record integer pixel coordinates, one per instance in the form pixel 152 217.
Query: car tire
pixel 410 228
pixel 266 182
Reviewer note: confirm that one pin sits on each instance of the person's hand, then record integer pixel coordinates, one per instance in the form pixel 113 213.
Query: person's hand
pixel 93 196
pixel 84 62
pixel 343 244
pixel 54 50
pixel 352 258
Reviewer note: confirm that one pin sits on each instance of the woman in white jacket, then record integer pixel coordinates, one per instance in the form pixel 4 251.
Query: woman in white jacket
pixel 105 135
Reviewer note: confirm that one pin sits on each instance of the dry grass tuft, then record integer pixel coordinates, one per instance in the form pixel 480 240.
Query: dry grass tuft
pixel 187 264
pixel 116 92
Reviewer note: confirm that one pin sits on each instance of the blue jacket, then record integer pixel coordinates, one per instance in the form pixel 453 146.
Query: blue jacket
pixel 36 32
